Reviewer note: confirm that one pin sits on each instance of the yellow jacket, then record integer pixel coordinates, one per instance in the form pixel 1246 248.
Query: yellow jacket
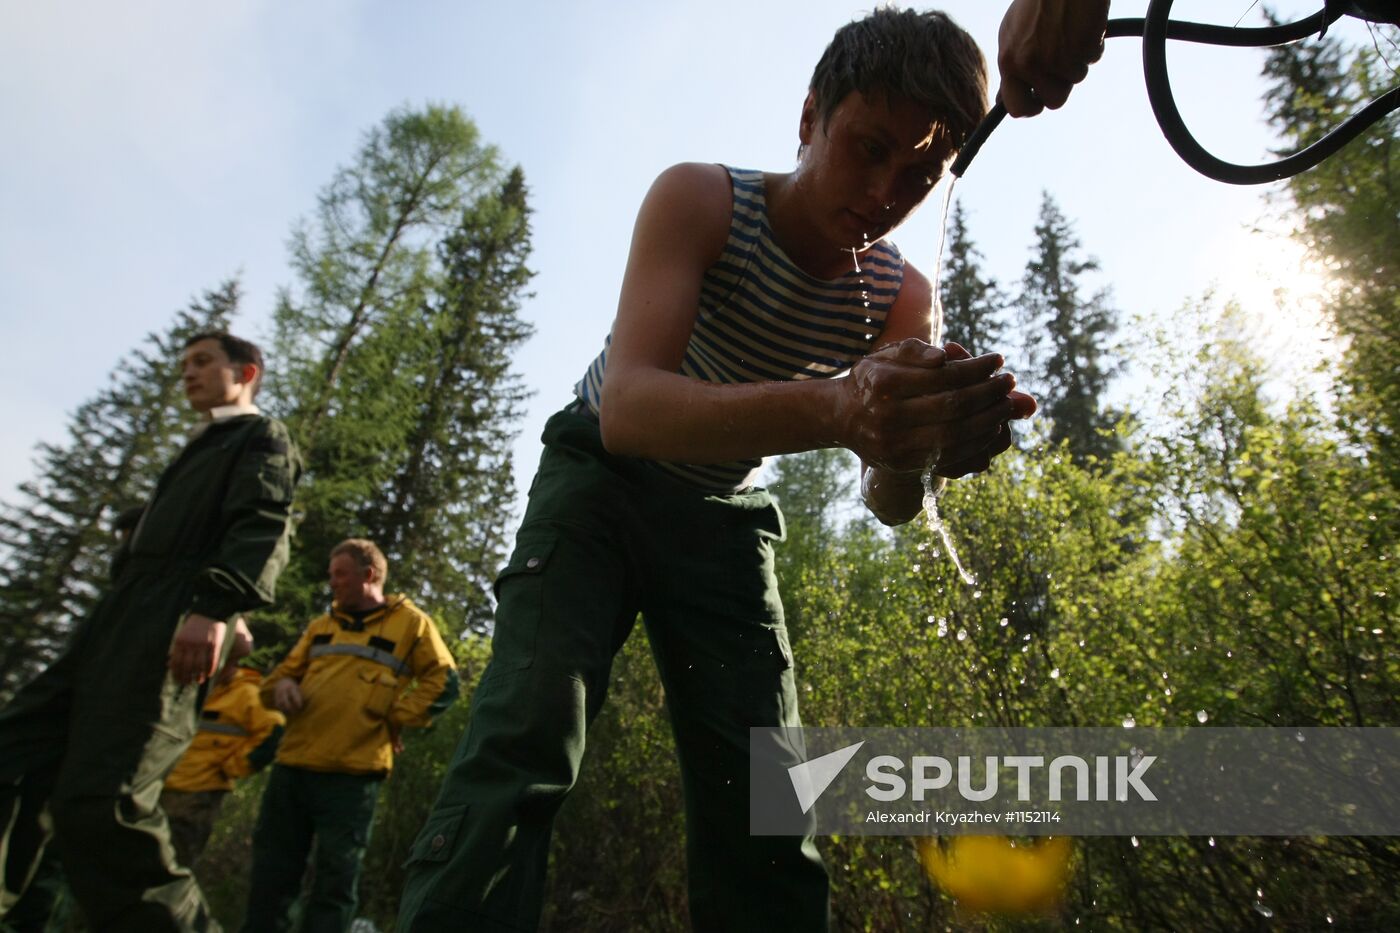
pixel 358 680
pixel 236 737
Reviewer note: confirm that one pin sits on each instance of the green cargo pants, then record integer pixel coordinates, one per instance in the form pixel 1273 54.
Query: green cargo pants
pixel 84 750
pixel 192 815
pixel 604 538
pixel 338 810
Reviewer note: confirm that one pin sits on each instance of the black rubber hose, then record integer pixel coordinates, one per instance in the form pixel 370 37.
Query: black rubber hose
pixel 1156 31
pixel 1207 34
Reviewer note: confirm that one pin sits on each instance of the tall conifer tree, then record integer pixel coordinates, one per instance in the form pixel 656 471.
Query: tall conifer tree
pixel 398 383
pixel 444 514
pixel 972 303
pixel 1065 333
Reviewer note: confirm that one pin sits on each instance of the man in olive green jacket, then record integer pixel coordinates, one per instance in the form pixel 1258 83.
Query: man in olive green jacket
pixel 91 739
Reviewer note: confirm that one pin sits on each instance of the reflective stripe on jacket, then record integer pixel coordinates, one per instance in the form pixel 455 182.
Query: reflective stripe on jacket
pixel 358 680
pixel 234 727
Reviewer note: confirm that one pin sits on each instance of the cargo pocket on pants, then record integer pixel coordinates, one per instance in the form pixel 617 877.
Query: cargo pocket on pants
pixel 519 593
pixel 766 688
pixel 434 843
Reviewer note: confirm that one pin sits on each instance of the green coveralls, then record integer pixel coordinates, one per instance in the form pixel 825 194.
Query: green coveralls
pixel 89 741
pixel 603 538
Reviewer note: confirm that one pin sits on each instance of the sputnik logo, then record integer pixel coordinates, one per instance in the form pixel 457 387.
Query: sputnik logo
pixel 811 778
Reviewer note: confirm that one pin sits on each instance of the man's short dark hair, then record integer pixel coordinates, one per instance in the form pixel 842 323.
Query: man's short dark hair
pixel 923 57
pixel 240 352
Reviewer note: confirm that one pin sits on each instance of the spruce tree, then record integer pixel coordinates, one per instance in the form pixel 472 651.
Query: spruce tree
pixel 398 383
pixel 1065 332
pixel 56 542
pixel 444 515
pixel 972 303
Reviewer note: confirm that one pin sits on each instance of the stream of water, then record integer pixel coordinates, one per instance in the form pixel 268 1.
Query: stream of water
pixel 933 484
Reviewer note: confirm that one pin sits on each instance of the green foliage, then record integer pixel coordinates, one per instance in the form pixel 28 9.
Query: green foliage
pixel 1234 567
pixel 56 545
pixel 1065 334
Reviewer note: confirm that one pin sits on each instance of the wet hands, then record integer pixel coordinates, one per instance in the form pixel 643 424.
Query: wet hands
pixel 195 652
pixel 909 403
pixel 1045 47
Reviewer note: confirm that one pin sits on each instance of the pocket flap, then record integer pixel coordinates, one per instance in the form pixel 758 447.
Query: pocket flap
pixel 531 555
pixel 434 843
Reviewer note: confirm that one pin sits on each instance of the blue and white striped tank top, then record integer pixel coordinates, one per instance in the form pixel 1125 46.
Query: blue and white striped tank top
pixel 762 319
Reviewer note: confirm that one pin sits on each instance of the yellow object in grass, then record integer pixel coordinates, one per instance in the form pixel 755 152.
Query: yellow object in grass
pixel 997 875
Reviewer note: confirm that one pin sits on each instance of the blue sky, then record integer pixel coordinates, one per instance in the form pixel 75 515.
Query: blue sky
pixel 151 149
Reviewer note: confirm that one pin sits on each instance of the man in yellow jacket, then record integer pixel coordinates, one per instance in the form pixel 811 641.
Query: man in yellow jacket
pixel 358 676
pixel 236 736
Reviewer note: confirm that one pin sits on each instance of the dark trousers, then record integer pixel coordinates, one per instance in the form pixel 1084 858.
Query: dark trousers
pixel 47 904
pixel 192 815
pixel 603 539
pixel 299 806
pixel 84 750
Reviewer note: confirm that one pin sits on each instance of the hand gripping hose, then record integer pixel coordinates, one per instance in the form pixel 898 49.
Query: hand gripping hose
pixel 1156 28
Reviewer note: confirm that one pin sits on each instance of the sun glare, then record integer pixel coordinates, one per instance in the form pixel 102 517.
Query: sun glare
pixel 1280 289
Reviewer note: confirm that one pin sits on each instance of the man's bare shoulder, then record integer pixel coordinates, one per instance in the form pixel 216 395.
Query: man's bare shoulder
pixel 700 184
pixel 915 289
pixel 911 314
pixel 694 200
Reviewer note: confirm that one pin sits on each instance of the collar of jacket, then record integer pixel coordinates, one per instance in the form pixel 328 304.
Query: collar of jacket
pixel 350 624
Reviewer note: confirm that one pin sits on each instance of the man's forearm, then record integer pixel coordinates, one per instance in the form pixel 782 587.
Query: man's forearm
pixel 667 416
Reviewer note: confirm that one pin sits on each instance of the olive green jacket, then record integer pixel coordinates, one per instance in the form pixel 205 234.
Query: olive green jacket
pixel 222 512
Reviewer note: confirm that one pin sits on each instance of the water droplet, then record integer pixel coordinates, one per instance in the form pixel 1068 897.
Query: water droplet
pixel 976 594
pixel 1202 715
pixel 1298 736
pixel 1263 911
pixel 1055 673
pixel 962 634
pixel 1003 622
pixel 1135 842
pixel 1129 722
pixel 1211 841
